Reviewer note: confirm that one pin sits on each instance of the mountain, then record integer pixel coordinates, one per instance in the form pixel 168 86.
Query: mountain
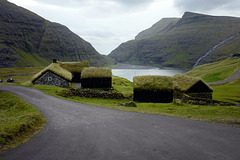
pixel 27 39
pixel 182 42
pixel 162 26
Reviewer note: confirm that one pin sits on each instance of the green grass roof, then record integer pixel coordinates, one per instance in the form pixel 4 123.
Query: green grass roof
pixel 152 82
pixel 184 82
pixel 74 66
pixel 95 72
pixel 63 69
pixel 55 68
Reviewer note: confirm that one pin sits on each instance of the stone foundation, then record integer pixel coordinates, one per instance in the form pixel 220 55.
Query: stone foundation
pixel 204 101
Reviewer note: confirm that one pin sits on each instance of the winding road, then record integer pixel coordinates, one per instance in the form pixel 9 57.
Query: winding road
pixel 77 131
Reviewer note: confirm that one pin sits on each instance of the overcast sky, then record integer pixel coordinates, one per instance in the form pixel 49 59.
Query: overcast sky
pixel 108 23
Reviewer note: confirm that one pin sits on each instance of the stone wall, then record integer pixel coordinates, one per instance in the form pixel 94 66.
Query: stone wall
pixel 50 78
pixel 204 101
pixel 91 94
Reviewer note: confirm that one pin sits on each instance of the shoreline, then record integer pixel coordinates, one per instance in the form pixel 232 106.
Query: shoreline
pixel 135 66
pixel 132 66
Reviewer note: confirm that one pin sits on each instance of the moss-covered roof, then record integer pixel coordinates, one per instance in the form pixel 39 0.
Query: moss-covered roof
pixel 96 72
pixel 74 67
pixel 63 69
pixel 183 82
pixel 153 82
pixel 55 68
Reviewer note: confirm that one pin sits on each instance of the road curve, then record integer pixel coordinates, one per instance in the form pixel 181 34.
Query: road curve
pixel 234 77
pixel 84 132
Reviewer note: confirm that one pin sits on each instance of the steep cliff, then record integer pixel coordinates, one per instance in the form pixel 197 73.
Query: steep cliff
pixel 27 39
pixel 182 42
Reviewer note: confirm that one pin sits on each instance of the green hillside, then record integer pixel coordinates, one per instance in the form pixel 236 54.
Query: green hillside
pixel 27 39
pixel 183 43
pixel 162 26
pixel 216 71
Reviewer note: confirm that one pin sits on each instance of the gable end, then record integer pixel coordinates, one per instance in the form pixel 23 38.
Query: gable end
pixel 199 87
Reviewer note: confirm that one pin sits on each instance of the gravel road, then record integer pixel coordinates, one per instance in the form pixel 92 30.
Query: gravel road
pixel 85 132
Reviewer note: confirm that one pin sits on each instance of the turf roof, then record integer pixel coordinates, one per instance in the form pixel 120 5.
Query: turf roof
pixel 55 68
pixel 183 82
pixel 74 67
pixel 153 82
pixel 96 72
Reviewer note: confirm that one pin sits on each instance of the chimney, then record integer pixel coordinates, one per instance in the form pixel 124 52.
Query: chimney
pixel 54 61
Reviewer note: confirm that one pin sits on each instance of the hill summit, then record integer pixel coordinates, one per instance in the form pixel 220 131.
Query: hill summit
pixel 182 42
pixel 27 39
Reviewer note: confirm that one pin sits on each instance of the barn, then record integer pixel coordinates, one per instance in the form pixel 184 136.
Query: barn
pixel 60 74
pixel 191 86
pixel 96 77
pixel 156 89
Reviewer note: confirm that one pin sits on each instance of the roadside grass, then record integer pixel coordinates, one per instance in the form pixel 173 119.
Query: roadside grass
pixel 216 71
pixel 19 121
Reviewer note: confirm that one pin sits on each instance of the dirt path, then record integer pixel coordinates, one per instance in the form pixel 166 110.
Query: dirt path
pixel 234 77
pixel 77 131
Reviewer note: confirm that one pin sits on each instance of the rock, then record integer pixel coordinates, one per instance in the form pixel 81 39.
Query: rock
pixel 130 104
pixel 177 101
pixel 120 104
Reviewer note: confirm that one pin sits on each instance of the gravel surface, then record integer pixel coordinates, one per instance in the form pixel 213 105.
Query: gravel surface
pixel 85 132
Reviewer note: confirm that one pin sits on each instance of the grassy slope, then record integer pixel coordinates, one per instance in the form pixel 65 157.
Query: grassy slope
pixel 19 74
pixel 216 71
pixel 18 121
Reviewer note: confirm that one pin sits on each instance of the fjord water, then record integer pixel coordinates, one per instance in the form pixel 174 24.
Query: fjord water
pixel 128 71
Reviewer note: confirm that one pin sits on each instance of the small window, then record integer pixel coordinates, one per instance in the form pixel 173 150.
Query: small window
pixel 50 79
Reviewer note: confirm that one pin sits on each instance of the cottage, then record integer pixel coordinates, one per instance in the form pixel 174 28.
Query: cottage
pixel 75 68
pixel 93 77
pixel 60 74
pixel 191 86
pixel 157 89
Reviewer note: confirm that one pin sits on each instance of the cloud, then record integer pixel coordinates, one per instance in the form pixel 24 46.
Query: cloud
pixel 79 3
pixel 206 5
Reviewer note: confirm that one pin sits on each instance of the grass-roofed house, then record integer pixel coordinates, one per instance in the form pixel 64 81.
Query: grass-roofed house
pixel 157 89
pixel 60 74
pixel 191 86
pixel 96 77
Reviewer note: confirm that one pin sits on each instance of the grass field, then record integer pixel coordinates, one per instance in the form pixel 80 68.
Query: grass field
pixel 229 92
pixel 18 121
pixel 216 71
pixel 19 74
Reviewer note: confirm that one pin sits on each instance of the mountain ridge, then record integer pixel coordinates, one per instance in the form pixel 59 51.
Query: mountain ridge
pixel 27 40
pixel 181 46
